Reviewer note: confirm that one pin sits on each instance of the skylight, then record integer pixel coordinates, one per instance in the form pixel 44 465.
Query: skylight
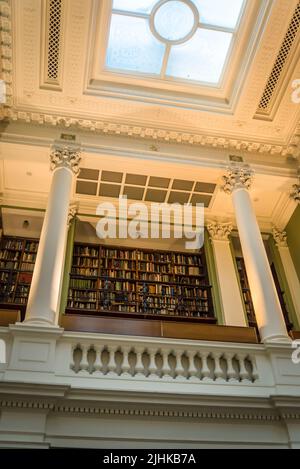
pixel 173 39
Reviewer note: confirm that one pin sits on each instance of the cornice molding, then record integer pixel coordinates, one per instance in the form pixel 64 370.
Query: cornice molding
pixel 12 113
pixel 153 133
pixel 139 411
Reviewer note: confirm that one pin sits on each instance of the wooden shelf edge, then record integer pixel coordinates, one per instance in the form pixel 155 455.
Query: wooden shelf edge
pixel 157 328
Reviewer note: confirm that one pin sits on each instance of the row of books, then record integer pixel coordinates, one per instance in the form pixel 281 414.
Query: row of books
pixel 12 244
pixel 116 285
pixel 29 257
pixel 27 267
pixel 23 290
pixel 10 255
pixel 118 253
pixel 163 278
pixel 7 277
pixel 118 264
pixel 183 270
pixel 83 295
pixel 160 289
pixel 118 308
pixel 117 297
pixel 85 272
pixel 154 257
pixel 9 265
pixel 120 274
pixel 85 262
pixel 80 305
pixel 83 284
pixel 31 246
pixel 158 268
pixel 171 312
pixel 86 251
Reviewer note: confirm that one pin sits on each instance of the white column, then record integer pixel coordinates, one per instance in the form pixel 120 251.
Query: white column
pixel 232 305
pixel 44 295
pixel 263 291
pixel 289 268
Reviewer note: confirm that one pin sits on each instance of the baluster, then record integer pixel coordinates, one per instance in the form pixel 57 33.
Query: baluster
pixel 205 371
pixel 193 372
pixel 72 358
pixel 152 364
pixel 125 366
pixel 179 372
pixel 139 368
pixel 218 372
pixel 112 365
pixel 98 365
pixel 255 375
pixel 84 364
pixel 165 369
pixel 244 374
pixel 231 372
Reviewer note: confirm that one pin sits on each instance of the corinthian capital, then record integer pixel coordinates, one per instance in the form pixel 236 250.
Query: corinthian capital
pixel 72 214
pixel 280 237
pixel 237 177
pixel 219 231
pixel 295 194
pixel 65 156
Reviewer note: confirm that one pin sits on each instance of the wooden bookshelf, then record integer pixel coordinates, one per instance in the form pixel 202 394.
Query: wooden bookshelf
pixel 246 291
pixel 17 259
pixel 248 299
pixel 114 281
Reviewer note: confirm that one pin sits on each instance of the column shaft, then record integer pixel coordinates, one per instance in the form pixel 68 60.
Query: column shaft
pixel 43 301
pixel 264 295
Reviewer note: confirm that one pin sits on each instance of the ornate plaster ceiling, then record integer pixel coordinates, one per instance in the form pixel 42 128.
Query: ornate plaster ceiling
pixel 74 93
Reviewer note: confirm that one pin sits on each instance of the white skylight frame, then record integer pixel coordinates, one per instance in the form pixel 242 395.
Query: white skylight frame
pixel 163 76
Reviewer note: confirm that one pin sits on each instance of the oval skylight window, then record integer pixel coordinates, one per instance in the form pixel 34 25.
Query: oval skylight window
pixel 174 21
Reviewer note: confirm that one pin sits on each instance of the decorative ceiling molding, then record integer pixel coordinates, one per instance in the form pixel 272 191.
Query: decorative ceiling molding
pixel 6 67
pixel 13 112
pixel 156 134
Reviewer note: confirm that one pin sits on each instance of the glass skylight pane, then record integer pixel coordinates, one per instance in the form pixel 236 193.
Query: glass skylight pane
pixel 219 12
pixel 138 6
pixel 132 46
pixel 201 58
pixel 174 20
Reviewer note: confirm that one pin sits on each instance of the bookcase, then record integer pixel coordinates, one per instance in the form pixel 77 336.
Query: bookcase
pixel 109 280
pixel 246 291
pixel 248 299
pixel 17 259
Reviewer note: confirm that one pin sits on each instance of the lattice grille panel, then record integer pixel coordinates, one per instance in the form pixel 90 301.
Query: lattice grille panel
pixel 266 99
pixel 55 19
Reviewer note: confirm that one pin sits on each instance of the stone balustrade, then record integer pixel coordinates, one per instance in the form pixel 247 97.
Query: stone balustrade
pixel 138 361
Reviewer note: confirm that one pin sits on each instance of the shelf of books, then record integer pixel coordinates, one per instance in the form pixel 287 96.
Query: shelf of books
pixel 17 259
pixel 246 291
pixel 139 283
pixel 247 294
